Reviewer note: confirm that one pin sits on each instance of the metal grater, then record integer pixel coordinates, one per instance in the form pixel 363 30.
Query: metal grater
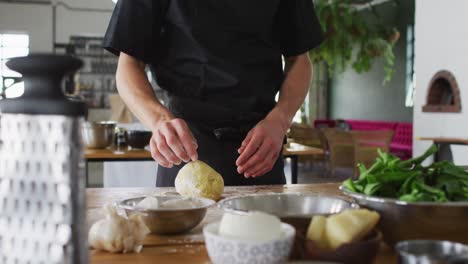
pixel 42 182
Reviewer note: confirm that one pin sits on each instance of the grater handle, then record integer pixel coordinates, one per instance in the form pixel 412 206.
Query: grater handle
pixel 43 95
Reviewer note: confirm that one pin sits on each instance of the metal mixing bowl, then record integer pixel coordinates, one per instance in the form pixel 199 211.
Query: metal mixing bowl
pixel 411 221
pixel 430 252
pixel 287 205
pixel 98 135
pixel 168 221
pixel 296 209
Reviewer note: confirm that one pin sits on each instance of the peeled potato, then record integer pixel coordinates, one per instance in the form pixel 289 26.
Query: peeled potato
pixel 316 231
pixel 349 226
pixel 198 179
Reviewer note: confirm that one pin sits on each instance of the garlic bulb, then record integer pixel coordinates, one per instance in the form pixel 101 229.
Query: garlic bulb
pixel 115 233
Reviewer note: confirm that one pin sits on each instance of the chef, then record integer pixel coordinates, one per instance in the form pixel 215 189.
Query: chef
pixel 220 62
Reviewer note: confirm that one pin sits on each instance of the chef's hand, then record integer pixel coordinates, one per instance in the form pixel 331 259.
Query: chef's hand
pixel 261 148
pixel 172 143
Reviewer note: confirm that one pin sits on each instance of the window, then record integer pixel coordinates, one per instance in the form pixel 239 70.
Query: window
pixel 410 74
pixel 12 45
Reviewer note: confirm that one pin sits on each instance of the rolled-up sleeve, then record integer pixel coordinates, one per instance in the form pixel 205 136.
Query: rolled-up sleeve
pixel 299 27
pixel 135 27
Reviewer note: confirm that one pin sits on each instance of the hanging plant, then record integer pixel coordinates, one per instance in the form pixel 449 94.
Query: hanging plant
pixel 345 28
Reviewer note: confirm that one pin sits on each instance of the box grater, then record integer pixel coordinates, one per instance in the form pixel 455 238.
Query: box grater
pixel 42 182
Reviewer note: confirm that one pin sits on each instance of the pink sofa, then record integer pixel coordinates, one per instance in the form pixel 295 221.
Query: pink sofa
pixel 402 143
pixel 321 123
pixel 364 125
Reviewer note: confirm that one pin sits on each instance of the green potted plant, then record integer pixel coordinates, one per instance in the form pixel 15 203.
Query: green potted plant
pixel 346 28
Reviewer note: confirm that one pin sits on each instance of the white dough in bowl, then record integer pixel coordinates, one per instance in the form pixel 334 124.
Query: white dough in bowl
pixel 184 203
pixel 153 203
pixel 254 226
pixel 149 203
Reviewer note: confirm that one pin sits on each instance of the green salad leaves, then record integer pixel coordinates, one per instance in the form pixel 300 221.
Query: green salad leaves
pixel 410 181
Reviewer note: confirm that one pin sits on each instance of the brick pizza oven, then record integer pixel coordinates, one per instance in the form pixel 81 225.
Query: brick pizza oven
pixel 443 94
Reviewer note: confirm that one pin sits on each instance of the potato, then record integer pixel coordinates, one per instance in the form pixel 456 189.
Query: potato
pixel 349 226
pixel 316 231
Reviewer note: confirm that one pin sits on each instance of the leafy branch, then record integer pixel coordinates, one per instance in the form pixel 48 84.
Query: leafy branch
pixel 346 28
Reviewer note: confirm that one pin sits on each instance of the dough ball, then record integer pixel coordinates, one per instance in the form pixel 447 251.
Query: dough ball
pixel 198 179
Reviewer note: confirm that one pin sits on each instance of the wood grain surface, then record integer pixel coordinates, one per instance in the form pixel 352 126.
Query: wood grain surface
pixel 292 149
pixel 189 248
pixel 460 141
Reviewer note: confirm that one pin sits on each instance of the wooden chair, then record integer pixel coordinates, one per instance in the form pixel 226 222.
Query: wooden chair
pixel 366 144
pixel 309 136
pixel 306 135
pixel 340 148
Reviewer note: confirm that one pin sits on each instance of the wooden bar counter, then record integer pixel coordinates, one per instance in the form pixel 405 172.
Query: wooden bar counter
pixel 189 248
pixel 292 150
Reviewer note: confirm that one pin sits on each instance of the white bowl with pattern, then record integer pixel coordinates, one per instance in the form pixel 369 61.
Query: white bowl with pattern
pixel 225 250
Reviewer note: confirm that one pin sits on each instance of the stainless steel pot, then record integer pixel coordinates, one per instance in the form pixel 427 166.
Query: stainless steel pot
pixel 98 135
pixel 431 252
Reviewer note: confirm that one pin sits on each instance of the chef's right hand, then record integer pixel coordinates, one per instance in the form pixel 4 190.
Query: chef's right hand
pixel 173 143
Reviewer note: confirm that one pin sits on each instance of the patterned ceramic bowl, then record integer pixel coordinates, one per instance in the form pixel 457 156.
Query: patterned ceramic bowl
pixel 224 250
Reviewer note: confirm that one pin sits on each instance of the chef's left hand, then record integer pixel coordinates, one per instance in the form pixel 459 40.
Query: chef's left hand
pixel 261 148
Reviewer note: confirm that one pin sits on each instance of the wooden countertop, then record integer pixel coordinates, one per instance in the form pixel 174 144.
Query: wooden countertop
pixel 293 149
pixel 297 149
pixel 455 141
pixel 189 248
pixel 117 154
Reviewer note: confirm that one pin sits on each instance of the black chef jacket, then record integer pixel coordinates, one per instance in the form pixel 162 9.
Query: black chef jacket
pixel 220 62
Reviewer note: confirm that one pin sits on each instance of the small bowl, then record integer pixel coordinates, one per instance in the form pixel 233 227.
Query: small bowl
pixel 363 251
pixel 138 139
pixel 98 135
pixel 168 221
pixel 430 252
pixel 229 250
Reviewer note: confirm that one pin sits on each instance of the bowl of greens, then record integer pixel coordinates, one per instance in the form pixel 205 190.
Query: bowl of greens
pixel 415 201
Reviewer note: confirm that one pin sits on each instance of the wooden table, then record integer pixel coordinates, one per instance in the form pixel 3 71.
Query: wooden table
pixel 190 248
pixel 443 144
pixel 292 150
pixel 100 155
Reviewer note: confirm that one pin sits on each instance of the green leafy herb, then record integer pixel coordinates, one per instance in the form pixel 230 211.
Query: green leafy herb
pixel 410 181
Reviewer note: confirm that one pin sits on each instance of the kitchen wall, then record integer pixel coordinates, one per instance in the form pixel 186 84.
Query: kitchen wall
pixel 362 96
pixel 36 20
pixel 74 17
pixel 441 43
pixel 83 17
pixel 83 22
